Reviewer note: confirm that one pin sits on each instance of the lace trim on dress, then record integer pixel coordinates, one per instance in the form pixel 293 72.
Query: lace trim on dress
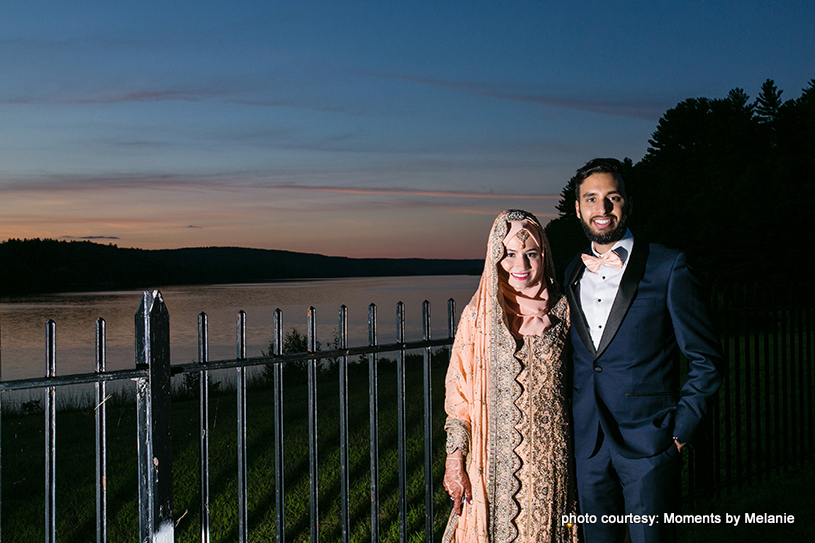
pixel 529 426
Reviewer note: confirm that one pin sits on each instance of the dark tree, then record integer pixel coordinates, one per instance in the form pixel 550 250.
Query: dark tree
pixel 808 93
pixel 768 103
pixel 565 235
pixel 697 160
pixel 739 98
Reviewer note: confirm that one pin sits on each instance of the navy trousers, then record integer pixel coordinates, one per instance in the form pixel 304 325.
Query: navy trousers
pixel 610 486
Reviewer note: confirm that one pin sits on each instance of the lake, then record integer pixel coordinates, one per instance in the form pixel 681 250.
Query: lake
pixel 23 318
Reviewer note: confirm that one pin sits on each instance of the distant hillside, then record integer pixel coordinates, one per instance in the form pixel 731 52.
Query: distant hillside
pixel 37 266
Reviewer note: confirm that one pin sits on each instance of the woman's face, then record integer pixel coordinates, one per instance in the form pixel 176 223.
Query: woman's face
pixel 523 263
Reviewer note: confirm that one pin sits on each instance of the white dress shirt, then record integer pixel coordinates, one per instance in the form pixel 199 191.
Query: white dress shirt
pixel 598 290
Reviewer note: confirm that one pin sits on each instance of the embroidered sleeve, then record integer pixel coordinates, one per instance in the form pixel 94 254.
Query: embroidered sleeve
pixel 458 436
pixel 458 387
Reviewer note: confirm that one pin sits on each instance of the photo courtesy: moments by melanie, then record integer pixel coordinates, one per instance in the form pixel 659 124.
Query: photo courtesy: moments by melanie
pixel 674 518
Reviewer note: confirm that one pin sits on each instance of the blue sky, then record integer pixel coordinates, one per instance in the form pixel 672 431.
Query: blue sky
pixel 360 129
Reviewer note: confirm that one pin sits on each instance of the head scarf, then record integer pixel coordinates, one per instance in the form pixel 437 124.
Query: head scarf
pixel 526 309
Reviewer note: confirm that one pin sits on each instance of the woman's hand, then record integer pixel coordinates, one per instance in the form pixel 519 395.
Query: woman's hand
pixel 456 482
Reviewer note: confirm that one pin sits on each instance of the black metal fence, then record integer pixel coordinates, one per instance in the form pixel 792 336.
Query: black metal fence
pixel 762 423
pixel 154 446
pixel 764 419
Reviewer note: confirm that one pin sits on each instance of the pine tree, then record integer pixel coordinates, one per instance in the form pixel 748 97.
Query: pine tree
pixel 739 98
pixel 768 103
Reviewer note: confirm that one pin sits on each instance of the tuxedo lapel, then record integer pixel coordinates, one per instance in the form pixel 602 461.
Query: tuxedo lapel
pixel 634 272
pixel 578 318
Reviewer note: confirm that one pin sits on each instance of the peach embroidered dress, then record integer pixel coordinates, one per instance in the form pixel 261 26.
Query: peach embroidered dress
pixel 506 406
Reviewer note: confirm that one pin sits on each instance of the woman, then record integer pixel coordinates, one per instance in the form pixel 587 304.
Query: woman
pixel 508 467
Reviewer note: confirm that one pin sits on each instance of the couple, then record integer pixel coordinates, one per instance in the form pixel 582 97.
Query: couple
pixel 513 447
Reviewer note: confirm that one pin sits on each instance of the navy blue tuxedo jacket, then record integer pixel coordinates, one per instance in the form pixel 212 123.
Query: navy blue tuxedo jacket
pixel 630 385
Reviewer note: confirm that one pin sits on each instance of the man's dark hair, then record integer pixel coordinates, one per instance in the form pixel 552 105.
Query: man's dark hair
pixel 601 165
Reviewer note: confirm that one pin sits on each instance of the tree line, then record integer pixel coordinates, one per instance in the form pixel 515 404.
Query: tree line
pixel 47 265
pixel 724 179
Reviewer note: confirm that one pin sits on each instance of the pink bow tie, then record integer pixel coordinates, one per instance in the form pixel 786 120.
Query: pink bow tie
pixel 593 263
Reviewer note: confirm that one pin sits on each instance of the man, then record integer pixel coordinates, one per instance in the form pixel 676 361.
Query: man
pixel 632 305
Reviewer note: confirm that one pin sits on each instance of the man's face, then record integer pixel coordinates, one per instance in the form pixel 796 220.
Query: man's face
pixel 601 210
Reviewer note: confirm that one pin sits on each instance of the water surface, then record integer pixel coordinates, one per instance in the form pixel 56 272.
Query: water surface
pixel 22 319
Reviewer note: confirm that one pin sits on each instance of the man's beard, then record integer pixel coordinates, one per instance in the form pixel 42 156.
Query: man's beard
pixel 607 237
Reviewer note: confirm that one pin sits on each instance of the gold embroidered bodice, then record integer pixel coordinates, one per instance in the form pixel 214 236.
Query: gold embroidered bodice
pixel 530 440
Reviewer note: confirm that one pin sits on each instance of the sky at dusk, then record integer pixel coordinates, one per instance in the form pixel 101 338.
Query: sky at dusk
pixel 376 129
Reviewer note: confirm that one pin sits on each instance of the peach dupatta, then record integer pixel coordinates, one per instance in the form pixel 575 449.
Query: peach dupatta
pixel 483 338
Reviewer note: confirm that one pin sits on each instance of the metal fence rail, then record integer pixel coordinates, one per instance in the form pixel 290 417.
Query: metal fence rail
pixel 763 421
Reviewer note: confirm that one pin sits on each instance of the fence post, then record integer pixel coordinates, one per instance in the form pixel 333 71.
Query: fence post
pixel 153 413
pixel 345 477
pixel 313 464
pixel 203 418
pixel 1 454
pixel 373 394
pixel 427 377
pixel 279 457
pixel 101 436
pixel 243 503
pixel 401 423
pixel 50 433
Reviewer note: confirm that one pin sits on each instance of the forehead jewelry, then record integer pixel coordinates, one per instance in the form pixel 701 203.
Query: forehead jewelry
pixel 522 236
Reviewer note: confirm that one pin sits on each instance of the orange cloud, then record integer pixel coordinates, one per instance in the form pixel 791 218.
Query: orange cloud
pixel 411 192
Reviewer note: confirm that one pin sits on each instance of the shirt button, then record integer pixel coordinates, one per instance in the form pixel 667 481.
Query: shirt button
pixel 598 301
pixel 604 277
pixel 598 369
